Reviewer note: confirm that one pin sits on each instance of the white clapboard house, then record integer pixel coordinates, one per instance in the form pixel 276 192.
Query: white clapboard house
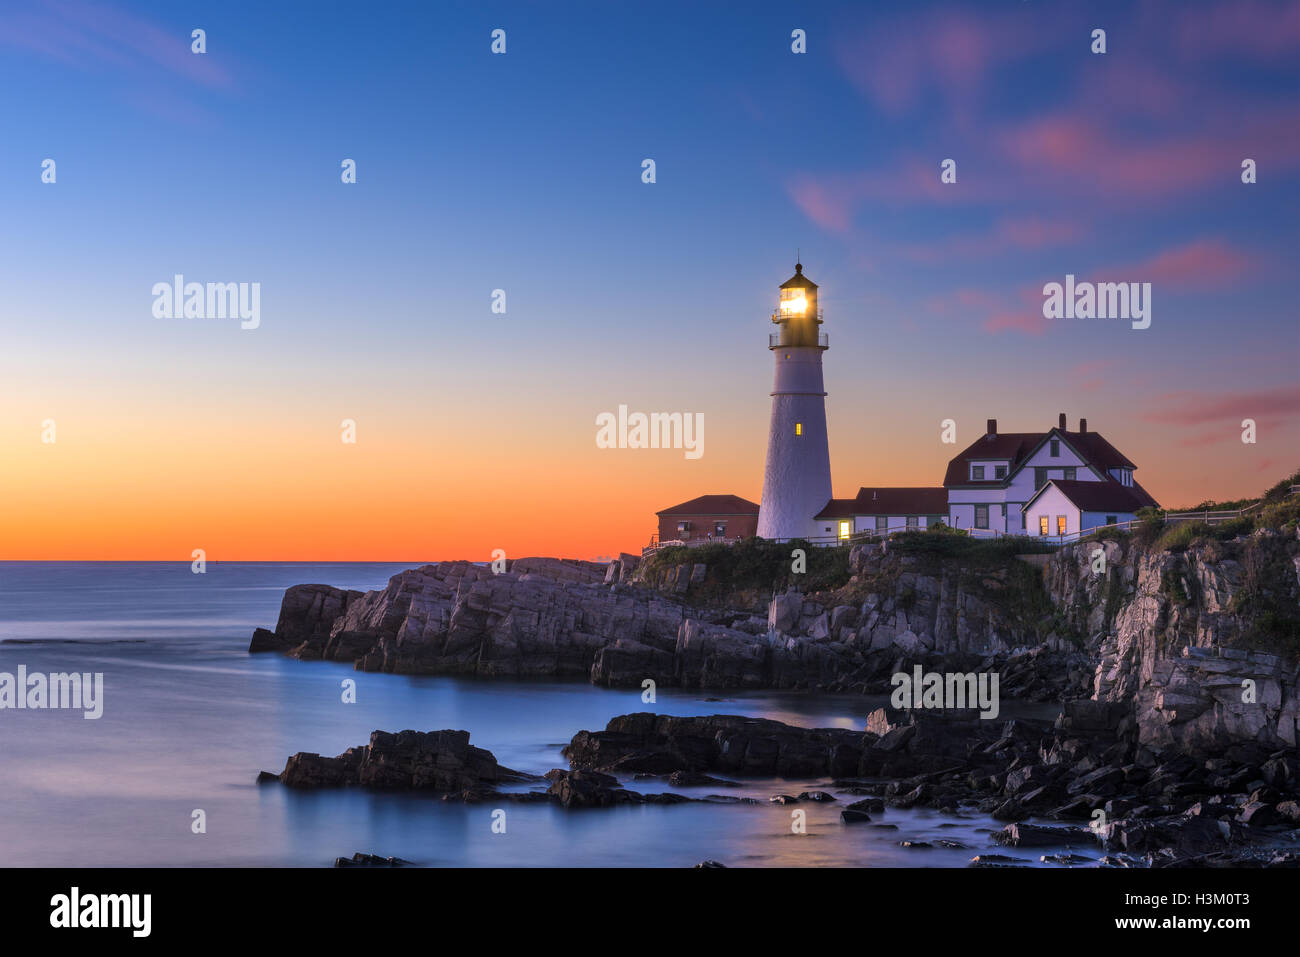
pixel 1054 483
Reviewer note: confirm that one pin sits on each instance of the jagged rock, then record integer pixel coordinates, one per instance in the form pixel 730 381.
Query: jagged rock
pixel 1031 835
pixel 408 760
pixel 661 744
pixel 369 860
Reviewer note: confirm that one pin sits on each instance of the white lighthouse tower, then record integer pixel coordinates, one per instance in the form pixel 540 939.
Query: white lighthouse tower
pixel 797 476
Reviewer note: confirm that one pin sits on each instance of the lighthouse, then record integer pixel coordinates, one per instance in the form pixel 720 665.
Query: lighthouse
pixel 797 475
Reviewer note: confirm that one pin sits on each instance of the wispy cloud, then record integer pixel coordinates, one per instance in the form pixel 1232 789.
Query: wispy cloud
pixel 1188 408
pixel 97 36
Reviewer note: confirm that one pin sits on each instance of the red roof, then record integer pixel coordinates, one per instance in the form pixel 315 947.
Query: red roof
pixel 889 501
pixel 713 505
pixel 1107 496
pixel 1016 447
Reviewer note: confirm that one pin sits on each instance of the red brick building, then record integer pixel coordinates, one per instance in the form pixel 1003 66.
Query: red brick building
pixel 715 517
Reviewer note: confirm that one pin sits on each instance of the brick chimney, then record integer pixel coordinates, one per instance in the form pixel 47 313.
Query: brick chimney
pixel 992 428
pixel 1083 425
pixel 1061 422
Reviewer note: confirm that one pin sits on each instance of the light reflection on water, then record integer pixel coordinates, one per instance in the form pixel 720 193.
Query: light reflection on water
pixel 190 718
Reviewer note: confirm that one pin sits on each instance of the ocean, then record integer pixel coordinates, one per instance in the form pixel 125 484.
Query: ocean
pixel 190 718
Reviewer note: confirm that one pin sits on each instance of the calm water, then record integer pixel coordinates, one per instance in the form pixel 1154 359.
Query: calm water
pixel 190 718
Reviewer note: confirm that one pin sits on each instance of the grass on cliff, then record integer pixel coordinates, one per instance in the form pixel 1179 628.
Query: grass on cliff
pixel 1277 509
pixel 749 571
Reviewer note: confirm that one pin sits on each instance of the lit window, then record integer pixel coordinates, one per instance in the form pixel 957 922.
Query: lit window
pixel 793 302
pixel 844 529
pixel 1060 525
pixel 1042 525
pixel 798 428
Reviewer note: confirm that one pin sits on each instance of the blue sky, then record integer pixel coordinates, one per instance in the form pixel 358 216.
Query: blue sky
pixel 522 172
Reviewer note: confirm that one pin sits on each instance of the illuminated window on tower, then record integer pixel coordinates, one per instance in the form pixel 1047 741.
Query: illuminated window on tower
pixel 798 428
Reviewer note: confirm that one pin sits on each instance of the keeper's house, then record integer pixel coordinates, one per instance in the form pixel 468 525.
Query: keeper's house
pixel 1041 483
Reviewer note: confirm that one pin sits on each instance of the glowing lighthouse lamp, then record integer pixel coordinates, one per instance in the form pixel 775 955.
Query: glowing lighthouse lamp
pixel 797 475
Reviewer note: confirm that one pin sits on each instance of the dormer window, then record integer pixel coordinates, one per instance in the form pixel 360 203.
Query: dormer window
pixel 999 471
pixel 977 473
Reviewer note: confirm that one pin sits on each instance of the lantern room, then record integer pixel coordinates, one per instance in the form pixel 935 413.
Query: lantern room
pixel 797 314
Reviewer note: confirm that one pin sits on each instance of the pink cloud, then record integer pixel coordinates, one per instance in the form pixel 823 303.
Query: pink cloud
pixel 820 203
pixel 1073 147
pixel 1009 232
pixel 948 53
pixel 81 34
pixel 1026 318
pixel 1088 376
pixel 1197 408
pixel 1240 29
pixel 1205 262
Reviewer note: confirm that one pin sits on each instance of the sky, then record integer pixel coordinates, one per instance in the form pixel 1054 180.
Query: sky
pixel 475 430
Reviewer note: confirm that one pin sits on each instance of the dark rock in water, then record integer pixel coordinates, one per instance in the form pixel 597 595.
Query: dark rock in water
pixel 442 761
pixel 783 799
pixel 958 845
pixel 851 816
pixel 916 845
pixel 709 864
pixel 1031 835
pixel 819 796
pixel 583 789
pixel 587 788
pixel 1066 859
pixel 1257 813
pixel 1185 836
pixel 307 616
pixel 1010 810
pixel 369 860
pixel 661 744
pixel 694 779
pixel 870 805
pixel 1289 811
pixel 264 640
pixel 266 777
pixel 996 860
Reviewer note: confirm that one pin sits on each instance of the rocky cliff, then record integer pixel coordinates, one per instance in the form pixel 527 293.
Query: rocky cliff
pixel 1164 637
pixel 1196 642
